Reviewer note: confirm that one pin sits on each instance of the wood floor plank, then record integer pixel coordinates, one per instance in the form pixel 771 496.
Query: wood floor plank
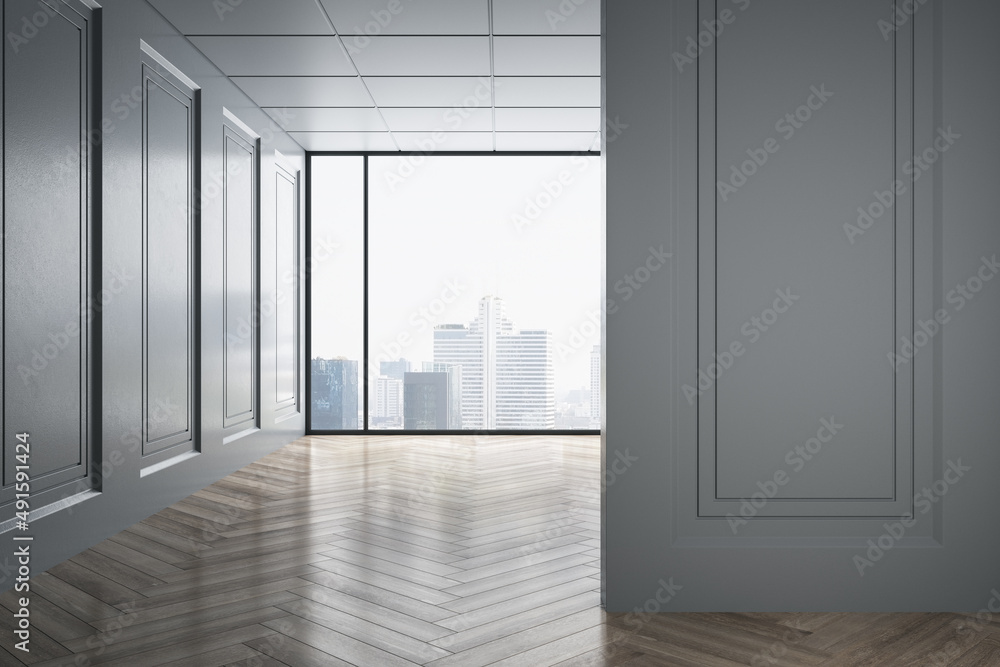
pixel 538 635
pixel 115 644
pixel 218 657
pixel 136 626
pixel 96 585
pixel 118 572
pixel 126 542
pixel 294 653
pixel 70 598
pixel 380 596
pixel 369 611
pixel 368 632
pixel 336 644
pixel 190 647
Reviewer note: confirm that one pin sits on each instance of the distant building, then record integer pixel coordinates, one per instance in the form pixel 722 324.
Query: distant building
pixel 388 402
pixel 508 378
pixel 334 394
pixel 394 369
pixel 432 400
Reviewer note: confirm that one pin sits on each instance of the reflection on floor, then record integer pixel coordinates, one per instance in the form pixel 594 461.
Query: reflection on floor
pixel 385 550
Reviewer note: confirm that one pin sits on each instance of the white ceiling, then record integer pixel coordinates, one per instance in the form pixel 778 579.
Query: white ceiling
pixel 388 75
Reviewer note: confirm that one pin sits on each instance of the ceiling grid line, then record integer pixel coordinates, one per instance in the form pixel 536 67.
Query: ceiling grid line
pixel 347 54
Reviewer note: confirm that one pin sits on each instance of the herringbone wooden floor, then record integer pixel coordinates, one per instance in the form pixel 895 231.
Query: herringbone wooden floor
pixel 375 551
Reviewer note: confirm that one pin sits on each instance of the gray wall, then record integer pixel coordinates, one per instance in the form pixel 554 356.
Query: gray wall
pixel 679 464
pixel 128 188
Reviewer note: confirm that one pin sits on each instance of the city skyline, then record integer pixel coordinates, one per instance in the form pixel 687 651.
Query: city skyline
pixel 442 240
pixel 499 377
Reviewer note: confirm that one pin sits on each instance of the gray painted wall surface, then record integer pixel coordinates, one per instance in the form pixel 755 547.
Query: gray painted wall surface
pixel 152 399
pixel 809 413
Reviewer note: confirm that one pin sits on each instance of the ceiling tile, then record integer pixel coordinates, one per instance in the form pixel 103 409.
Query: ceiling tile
pixel 357 19
pixel 344 141
pixel 312 119
pixel 548 120
pixel 430 91
pixel 305 91
pixel 276 56
pixel 548 91
pixel 544 141
pixel 246 17
pixel 531 17
pixel 444 141
pixel 547 56
pixel 450 120
pixel 424 56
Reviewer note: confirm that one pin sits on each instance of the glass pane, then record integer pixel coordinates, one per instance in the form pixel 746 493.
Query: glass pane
pixel 337 271
pixel 484 292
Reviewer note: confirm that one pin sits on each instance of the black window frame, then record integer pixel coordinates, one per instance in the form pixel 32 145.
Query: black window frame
pixel 364 380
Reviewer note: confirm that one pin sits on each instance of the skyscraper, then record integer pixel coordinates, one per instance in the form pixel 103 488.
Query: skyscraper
pixel 334 394
pixel 432 399
pixel 508 379
pixel 394 369
pixel 388 402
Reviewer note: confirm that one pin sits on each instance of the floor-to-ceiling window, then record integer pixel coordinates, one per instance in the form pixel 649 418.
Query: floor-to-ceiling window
pixel 456 292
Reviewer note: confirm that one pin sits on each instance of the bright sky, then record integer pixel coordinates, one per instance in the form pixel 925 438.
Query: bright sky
pixel 457 228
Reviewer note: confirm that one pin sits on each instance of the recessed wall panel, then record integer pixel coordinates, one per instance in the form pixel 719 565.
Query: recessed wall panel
pixel 170 259
pixel 48 223
pixel 797 314
pixel 286 309
pixel 241 278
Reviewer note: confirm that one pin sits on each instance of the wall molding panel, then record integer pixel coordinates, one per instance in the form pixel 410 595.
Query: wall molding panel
pixel 772 246
pixel 171 276
pixel 241 275
pixel 51 249
pixel 286 318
